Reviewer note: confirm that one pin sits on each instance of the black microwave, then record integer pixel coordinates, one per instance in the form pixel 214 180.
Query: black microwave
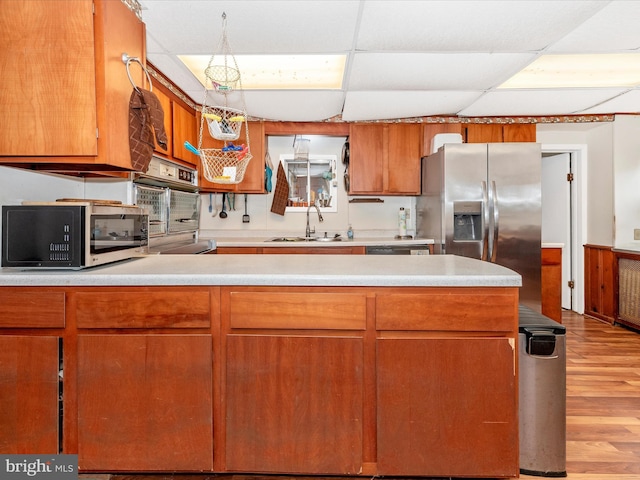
pixel 72 235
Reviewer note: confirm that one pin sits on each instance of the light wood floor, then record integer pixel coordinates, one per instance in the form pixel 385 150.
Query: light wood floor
pixel 603 405
pixel 603 400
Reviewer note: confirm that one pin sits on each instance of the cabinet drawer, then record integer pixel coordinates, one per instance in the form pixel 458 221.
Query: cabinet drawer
pixel 30 308
pixel 454 311
pixel 297 310
pixel 142 308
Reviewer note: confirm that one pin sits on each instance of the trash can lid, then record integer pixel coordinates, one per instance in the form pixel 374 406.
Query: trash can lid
pixel 530 319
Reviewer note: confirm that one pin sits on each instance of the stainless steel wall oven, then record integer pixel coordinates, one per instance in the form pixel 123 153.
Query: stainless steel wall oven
pixel 169 192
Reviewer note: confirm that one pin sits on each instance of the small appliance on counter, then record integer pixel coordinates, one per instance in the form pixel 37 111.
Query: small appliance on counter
pixel 72 233
pixel 169 192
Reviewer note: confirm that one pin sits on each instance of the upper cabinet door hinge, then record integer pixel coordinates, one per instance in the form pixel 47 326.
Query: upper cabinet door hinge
pixel 569 177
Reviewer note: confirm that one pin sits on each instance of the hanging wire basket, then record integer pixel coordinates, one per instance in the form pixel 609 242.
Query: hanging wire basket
pixel 227 167
pixel 223 77
pixel 224 123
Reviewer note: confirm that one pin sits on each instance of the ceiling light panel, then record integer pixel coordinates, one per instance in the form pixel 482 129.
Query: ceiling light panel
pixel 271 72
pixel 579 71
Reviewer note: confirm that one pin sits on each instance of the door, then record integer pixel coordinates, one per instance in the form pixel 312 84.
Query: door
pixel 556 214
pixel 465 174
pixel 29 392
pixel 294 404
pixel 145 402
pixel 456 417
pixel 514 172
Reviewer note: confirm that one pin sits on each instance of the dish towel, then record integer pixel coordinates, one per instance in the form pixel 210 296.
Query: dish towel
pixel 145 117
pixel 281 193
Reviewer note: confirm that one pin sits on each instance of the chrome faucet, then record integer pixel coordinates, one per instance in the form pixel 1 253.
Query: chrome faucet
pixel 308 231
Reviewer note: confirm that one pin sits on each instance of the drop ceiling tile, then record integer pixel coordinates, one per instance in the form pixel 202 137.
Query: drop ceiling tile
pixel 433 71
pixel 253 26
pixel 469 25
pixel 180 75
pixel 537 102
pixel 612 29
pixel 294 106
pixel 386 104
pixel 628 102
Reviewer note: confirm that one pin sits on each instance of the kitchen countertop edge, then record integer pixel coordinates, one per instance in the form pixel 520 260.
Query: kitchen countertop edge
pixel 277 270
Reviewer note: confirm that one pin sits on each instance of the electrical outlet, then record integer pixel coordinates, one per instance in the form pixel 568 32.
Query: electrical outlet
pixel 407 212
pixel 636 233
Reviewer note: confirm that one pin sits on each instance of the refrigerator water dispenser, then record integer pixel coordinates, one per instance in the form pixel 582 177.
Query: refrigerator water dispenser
pixel 467 221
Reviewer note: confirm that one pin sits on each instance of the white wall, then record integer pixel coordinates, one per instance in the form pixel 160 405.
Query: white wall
pixel 626 167
pixel 598 138
pixel 17 185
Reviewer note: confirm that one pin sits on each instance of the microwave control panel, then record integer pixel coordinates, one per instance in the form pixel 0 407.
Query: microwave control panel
pixel 162 169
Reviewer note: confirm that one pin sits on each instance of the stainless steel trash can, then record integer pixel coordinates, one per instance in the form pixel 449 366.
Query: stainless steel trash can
pixel 542 384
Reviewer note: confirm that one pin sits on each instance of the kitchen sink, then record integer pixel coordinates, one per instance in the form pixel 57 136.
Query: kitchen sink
pixel 292 239
pixel 335 238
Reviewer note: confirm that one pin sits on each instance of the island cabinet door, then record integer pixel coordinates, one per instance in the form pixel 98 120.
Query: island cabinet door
pixel 294 404
pixel 145 402
pixel 28 394
pixel 447 407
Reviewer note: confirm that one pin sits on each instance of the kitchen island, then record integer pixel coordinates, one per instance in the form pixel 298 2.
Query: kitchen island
pixel 332 365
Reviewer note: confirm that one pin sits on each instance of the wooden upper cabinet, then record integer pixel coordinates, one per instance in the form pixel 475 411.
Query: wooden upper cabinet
pixel 430 130
pixel 385 159
pixel 498 133
pixel 519 133
pixel 403 159
pixel 366 161
pixel 69 101
pixel 51 94
pixel 253 181
pixel 184 130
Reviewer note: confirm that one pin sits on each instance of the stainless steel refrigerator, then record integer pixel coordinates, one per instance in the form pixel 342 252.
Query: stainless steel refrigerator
pixel 484 201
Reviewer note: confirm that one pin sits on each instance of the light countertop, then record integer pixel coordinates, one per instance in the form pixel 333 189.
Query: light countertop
pixel 274 270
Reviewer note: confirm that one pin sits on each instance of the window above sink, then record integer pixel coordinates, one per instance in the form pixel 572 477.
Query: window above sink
pixel 311 180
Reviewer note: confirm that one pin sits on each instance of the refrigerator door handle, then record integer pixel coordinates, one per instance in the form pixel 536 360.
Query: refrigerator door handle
pixel 485 222
pixel 496 222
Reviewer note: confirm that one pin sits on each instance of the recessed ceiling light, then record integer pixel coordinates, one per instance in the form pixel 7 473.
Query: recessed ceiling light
pixel 575 71
pixel 282 72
